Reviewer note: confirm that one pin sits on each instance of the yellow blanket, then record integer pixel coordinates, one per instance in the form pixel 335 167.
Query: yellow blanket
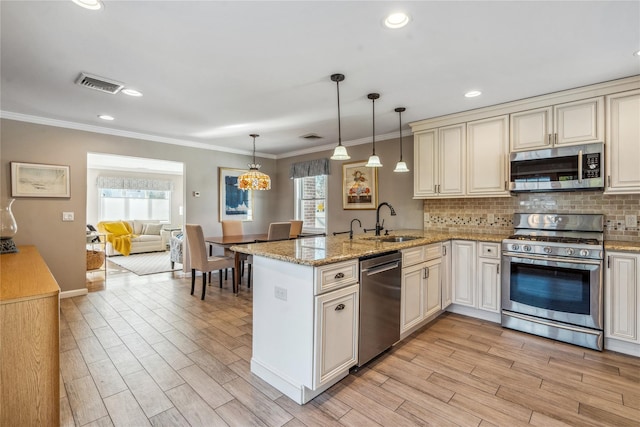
pixel 119 234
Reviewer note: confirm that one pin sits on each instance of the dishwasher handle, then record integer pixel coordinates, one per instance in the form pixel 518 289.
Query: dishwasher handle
pixel 381 268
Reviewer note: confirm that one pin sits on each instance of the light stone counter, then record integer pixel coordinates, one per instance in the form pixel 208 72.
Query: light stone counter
pixel 316 251
pixel 619 245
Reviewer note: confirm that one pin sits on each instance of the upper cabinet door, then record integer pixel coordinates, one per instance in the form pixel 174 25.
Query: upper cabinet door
pixel 623 142
pixel 487 156
pixel 425 164
pixel 531 129
pixel 579 122
pixel 452 160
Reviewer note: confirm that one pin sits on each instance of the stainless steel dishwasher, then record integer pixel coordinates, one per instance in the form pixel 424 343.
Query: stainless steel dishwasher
pixel 380 284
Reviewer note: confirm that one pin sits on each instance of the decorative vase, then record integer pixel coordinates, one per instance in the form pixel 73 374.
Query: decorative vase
pixel 8 228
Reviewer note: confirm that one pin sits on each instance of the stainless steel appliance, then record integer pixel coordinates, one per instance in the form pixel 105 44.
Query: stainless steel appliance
pixel 380 278
pixel 552 271
pixel 579 167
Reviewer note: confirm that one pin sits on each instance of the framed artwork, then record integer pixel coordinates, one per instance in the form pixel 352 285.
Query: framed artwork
pixel 235 204
pixel 38 180
pixel 359 186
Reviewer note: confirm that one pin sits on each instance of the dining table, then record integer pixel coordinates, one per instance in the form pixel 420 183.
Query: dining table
pixel 227 242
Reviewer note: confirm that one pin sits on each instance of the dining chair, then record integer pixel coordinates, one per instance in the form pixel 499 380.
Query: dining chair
pixel 201 261
pixel 296 228
pixel 233 228
pixel 279 231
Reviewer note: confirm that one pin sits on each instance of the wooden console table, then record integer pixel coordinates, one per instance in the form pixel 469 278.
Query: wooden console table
pixel 29 341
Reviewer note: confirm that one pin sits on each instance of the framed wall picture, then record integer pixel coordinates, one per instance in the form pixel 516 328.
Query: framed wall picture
pixel 39 180
pixel 359 186
pixel 235 204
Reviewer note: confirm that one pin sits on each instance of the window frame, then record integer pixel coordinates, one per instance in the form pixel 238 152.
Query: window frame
pixel 298 201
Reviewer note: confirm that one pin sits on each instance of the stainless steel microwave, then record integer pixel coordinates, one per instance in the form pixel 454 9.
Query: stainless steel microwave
pixel 578 167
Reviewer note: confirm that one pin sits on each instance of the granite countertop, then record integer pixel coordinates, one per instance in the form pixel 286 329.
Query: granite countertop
pixel 317 251
pixel 619 245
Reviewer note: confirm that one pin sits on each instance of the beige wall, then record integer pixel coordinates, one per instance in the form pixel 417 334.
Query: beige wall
pixel 395 188
pixel 62 244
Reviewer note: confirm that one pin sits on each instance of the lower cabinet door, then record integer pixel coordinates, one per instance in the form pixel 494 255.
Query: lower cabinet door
pixel 489 286
pixel 336 333
pixel 411 304
pixel 433 280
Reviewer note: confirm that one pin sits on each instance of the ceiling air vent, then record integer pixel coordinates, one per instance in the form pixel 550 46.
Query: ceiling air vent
pixel 99 83
pixel 311 136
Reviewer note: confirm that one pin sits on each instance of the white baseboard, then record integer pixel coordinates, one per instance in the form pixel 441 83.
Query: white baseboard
pixel 73 293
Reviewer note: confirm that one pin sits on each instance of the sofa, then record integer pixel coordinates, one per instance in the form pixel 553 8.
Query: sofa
pixel 133 236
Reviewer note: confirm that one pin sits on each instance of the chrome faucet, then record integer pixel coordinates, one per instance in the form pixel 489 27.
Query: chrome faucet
pixel 380 227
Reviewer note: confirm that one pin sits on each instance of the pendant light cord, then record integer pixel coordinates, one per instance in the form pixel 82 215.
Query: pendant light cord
pixel 339 131
pixel 373 106
pixel 400 129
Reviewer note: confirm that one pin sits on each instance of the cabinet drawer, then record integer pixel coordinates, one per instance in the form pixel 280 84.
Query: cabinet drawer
pixel 412 256
pixel 489 250
pixel 333 276
pixel 433 251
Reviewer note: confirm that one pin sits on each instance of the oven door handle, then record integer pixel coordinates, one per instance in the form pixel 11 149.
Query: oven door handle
pixel 563 260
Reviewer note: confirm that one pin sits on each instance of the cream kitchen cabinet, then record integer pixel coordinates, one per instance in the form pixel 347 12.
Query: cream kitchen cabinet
pixel 421 286
pixel 446 274
pixel 336 333
pixel 439 162
pixel 623 142
pixel 622 302
pixel 475 276
pixel 463 272
pixel 489 276
pixel 487 157
pixel 571 123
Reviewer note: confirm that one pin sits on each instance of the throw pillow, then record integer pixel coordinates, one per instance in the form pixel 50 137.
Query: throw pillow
pixel 116 228
pixel 152 229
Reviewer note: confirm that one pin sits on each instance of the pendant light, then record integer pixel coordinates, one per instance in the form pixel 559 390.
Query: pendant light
pixel 340 152
pixel 374 161
pixel 401 166
pixel 253 179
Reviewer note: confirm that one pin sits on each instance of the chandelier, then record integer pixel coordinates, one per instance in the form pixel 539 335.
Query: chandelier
pixel 253 179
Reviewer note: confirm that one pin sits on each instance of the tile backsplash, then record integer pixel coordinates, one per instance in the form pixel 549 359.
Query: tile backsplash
pixel 494 215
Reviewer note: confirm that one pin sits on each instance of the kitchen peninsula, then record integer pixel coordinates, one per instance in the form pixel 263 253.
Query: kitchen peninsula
pixel 306 304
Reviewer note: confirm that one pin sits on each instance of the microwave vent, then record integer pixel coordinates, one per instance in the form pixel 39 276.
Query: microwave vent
pixel 99 83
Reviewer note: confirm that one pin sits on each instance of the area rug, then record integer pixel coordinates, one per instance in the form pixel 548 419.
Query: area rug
pixel 147 263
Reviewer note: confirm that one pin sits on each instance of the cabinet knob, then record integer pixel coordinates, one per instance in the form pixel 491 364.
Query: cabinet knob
pixel 339 307
pixel 339 276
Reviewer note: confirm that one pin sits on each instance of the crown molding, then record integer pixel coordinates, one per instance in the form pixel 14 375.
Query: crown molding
pixel 123 133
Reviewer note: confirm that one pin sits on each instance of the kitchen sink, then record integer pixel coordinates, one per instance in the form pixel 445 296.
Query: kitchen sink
pixel 392 239
pixel 396 239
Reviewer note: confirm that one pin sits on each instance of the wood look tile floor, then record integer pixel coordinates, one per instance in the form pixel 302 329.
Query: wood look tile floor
pixel 142 351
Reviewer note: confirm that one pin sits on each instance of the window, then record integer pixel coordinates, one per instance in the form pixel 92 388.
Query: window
pixel 311 202
pixel 134 204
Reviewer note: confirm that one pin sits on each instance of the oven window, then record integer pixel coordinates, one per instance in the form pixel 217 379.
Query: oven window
pixel 551 288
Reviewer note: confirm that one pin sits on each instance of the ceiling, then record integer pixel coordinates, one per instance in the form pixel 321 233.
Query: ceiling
pixel 212 72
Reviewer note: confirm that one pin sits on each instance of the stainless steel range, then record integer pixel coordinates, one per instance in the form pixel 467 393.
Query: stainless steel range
pixel 552 277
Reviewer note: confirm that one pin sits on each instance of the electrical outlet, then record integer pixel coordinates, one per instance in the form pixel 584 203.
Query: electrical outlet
pixel 631 220
pixel 280 293
pixel 67 216
pixel 491 218
pixel 427 217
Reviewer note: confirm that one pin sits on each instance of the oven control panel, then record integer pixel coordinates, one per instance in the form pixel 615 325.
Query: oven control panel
pixel 557 249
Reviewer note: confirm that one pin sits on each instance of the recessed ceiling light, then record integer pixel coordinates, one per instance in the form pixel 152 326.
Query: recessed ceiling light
pixel 89 4
pixel 131 92
pixel 396 20
pixel 637 53
pixel 106 117
pixel 473 93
